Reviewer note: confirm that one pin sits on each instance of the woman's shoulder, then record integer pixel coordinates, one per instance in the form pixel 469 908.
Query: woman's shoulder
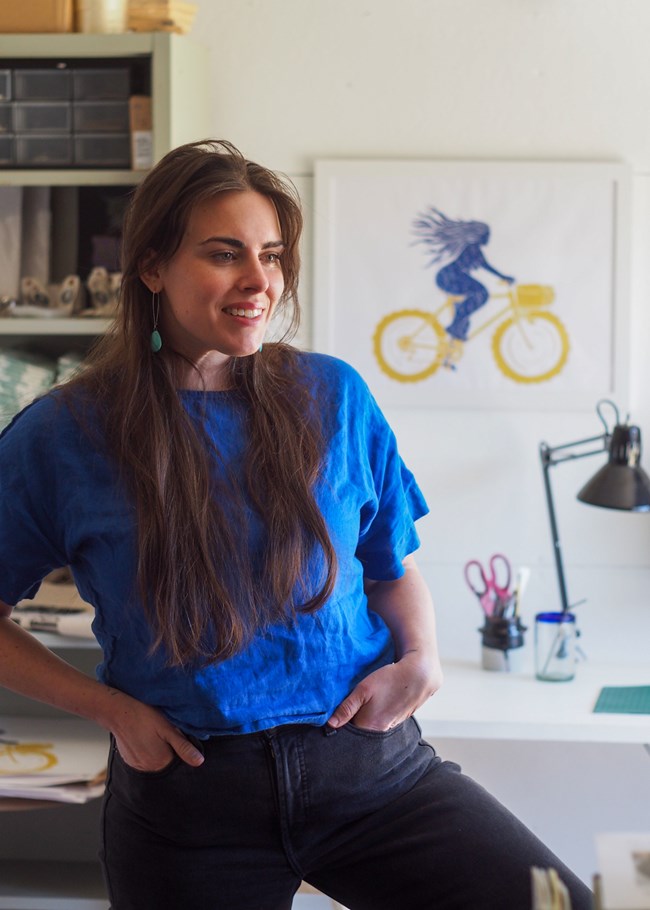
pixel 42 419
pixel 333 372
pixel 38 412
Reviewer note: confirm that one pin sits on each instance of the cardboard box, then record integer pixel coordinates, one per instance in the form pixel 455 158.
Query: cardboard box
pixel 37 16
pixel 141 129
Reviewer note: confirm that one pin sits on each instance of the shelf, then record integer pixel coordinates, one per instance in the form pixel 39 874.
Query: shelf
pixel 55 642
pixel 53 326
pixel 480 704
pixel 179 88
pixel 69 177
pixel 77 44
pixel 26 885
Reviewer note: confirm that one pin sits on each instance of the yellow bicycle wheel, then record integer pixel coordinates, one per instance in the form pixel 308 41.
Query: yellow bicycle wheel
pixel 407 345
pixel 531 348
pixel 26 758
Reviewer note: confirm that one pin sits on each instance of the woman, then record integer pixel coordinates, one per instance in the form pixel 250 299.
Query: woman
pixel 239 516
pixel 460 242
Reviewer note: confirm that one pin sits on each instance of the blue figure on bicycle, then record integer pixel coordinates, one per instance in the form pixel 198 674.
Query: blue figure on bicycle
pixel 461 242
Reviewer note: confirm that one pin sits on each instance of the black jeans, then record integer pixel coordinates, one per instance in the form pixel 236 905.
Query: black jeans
pixel 376 820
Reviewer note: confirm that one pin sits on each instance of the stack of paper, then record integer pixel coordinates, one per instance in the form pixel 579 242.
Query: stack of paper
pixel 624 865
pixel 549 891
pixel 52 759
pixel 56 607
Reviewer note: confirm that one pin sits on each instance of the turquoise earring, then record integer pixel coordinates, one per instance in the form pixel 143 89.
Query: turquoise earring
pixel 260 348
pixel 156 340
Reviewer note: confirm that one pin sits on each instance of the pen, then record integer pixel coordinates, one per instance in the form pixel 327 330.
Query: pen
pixel 523 574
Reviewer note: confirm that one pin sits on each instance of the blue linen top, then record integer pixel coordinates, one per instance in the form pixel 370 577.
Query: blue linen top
pixel 61 504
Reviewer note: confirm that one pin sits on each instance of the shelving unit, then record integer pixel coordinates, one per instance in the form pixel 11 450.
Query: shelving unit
pixel 48 855
pixel 178 78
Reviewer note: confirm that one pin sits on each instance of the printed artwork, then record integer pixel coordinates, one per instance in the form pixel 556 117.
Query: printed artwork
pixel 25 758
pixel 465 284
pixel 530 344
pixel 51 759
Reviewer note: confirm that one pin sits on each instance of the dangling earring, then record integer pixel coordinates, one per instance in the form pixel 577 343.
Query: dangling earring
pixel 259 350
pixel 156 340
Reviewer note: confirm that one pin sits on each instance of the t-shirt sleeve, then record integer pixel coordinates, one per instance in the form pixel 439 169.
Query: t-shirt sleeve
pixel 393 502
pixel 28 545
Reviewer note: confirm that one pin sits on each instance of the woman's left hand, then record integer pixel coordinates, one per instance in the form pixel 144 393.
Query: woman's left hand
pixel 389 695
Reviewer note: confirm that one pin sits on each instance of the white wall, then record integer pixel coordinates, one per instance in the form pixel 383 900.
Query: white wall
pixel 297 80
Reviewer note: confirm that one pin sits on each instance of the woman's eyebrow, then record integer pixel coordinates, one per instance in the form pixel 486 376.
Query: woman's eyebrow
pixel 239 244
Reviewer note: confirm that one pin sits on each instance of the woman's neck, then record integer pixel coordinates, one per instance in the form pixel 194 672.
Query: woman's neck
pixel 209 374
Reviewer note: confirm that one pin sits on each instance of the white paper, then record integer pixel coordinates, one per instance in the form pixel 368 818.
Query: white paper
pixel 624 865
pixel 10 234
pixel 35 233
pixel 72 793
pixel 47 752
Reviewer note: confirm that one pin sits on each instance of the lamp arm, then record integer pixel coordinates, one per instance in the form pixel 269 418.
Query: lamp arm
pixel 549 453
pixel 548 456
pixel 555 537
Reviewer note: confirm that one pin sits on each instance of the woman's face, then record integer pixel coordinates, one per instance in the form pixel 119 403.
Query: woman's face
pixel 219 289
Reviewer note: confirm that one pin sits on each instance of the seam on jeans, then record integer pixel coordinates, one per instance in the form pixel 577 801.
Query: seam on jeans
pixel 304 789
pixel 107 798
pixel 277 779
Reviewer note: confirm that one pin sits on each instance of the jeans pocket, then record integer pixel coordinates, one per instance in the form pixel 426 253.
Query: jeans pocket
pixel 351 727
pixel 160 772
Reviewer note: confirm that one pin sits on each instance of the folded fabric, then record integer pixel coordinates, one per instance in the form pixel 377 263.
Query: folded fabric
pixel 23 377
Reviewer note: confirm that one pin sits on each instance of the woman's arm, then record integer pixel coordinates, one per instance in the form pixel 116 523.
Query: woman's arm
pixel 391 694
pixel 490 268
pixel 145 738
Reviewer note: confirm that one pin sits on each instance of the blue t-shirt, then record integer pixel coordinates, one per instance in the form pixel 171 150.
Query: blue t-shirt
pixel 61 504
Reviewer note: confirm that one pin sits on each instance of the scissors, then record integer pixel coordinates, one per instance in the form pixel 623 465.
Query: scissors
pixel 493 587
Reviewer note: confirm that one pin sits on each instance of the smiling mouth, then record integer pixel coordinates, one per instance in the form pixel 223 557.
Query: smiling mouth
pixel 240 311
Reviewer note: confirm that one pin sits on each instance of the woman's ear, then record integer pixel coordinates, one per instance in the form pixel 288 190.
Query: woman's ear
pixel 152 280
pixel 150 274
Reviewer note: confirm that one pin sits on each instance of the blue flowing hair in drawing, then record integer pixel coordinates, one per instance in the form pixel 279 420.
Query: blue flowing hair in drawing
pixel 444 237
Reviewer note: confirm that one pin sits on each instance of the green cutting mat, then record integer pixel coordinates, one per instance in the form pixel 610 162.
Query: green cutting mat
pixel 623 700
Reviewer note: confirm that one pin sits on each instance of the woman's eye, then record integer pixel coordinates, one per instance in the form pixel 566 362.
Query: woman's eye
pixel 223 256
pixel 274 258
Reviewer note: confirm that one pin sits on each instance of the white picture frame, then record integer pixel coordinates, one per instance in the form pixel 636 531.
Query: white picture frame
pixel 392 239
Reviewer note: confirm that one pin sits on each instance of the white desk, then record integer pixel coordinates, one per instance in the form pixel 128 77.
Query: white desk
pixel 480 704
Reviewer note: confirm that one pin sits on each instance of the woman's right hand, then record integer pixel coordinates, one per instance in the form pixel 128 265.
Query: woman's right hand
pixel 144 737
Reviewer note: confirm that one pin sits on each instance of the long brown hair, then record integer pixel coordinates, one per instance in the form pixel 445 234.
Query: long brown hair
pixel 204 598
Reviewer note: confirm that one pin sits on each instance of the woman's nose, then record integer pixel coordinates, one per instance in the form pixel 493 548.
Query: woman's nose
pixel 253 275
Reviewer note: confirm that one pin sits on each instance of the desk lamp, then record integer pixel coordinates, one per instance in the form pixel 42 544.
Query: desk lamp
pixel 620 484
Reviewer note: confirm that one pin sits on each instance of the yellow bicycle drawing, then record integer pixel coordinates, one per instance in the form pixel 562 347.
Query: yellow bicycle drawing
pixel 25 758
pixel 530 344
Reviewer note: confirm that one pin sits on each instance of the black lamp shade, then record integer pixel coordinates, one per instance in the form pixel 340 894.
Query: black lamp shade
pixel 621 483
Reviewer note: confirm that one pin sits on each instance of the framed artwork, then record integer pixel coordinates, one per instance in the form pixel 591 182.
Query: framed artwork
pixel 465 284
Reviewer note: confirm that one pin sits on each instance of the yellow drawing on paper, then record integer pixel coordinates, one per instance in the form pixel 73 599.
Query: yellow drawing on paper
pixel 530 343
pixel 26 758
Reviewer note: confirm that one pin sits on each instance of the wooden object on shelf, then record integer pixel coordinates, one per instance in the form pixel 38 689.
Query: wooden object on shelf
pixel 166 16
pixel 37 16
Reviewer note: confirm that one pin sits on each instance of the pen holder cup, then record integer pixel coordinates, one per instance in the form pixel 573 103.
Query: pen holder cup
pixel 502 642
pixel 555 646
